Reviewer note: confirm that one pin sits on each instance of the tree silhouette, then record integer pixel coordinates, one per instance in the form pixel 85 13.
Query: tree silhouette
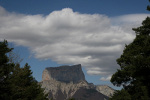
pixel 134 72
pixel 17 83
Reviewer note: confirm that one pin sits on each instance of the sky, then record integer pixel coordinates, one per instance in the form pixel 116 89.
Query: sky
pixel 50 33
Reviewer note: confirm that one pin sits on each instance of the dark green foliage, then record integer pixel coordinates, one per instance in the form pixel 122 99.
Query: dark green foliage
pixel 5 71
pixel 17 83
pixel 121 95
pixel 24 86
pixel 134 72
pixel 148 7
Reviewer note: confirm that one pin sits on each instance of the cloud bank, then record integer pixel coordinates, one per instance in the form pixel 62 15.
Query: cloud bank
pixel 68 37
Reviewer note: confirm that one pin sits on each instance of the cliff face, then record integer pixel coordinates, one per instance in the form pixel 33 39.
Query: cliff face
pixel 64 82
pixel 55 89
pixel 106 90
pixel 65 74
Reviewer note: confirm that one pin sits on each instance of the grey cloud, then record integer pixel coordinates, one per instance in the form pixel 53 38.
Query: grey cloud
pixel 68 37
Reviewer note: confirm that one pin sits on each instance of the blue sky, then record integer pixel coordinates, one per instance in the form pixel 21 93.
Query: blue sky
pixel 107 7
pixel 49 33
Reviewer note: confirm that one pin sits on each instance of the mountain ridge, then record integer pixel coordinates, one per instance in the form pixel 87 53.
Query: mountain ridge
pixel 64 82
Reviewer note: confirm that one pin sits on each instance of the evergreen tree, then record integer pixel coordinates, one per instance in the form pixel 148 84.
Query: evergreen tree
pixel 24 86
pixel 134 72
pixel 17 83
pixel 5 71
pixel 148 7
pixel 121 95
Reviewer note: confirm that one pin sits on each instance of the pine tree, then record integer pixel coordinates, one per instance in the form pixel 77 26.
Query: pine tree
pixel 134 72
pixel 5 71
pixel 24 86
pixel 121 95
pixel 17 83
pixel 148 7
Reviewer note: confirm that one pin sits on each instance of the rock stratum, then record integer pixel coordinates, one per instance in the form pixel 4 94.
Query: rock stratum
pixel 65 74
pixel 65 82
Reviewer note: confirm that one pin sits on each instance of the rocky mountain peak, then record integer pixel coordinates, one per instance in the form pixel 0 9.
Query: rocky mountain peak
pixel 65 74
pixel 64 82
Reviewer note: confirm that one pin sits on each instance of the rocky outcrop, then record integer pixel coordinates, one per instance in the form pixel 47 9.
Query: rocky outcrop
pixel 89 94
pixel 55 88
pixel 65 74
pixel 106 90
pixel 64 82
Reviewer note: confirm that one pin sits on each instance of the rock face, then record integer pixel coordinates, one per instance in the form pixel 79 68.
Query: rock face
pixel 106 90
pixel 64 82
pixel 65 74
pixel 89 94
pixel 57 89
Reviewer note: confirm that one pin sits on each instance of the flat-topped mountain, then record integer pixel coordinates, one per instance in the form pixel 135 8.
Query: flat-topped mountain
pixel 64 82
pixel 65 74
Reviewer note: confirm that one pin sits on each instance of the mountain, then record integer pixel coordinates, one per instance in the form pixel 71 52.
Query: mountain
pixel 64 82
pixel 104 89
pixel 65 74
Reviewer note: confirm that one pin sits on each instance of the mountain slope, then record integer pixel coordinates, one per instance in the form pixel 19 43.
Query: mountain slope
pixel 64 82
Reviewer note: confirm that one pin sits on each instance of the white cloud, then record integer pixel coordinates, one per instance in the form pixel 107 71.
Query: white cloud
pixel 106 78
pixel 68 37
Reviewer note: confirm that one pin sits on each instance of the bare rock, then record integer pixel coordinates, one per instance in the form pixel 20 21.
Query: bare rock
pixel 65 74
pixel 57 88
pixel 89 94
pixel 106 90
pixel 64 82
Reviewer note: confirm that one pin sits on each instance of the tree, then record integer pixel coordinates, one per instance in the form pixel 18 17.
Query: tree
pixel 5 71
pixel 24 86
pixel 121 95
pixel 14 57
pixel 17 83
pixel 148 7
pixel 134 72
